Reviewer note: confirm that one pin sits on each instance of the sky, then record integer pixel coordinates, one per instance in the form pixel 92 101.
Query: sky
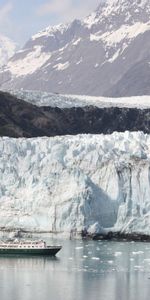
pixel 20 19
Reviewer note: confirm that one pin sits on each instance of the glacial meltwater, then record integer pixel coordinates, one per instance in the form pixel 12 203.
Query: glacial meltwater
pixel 82 270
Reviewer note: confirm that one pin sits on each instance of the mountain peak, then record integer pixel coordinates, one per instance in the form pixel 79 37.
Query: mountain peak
pixel 126 3
pixel 118 12
pixel 50 31
pixel 115 6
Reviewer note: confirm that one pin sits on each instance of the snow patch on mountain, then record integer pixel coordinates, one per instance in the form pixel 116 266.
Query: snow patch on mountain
pixel 114 57
pixel 50 31
pixel 31 63
pixel 79 61
pixel 69 183
pixel 124 32
pixel 76 42
pixel 91 20
pixel 61 67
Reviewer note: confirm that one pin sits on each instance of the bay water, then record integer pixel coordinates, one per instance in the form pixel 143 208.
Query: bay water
pixel 82 270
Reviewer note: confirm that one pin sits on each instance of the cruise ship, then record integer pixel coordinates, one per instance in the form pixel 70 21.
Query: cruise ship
pixel 32 248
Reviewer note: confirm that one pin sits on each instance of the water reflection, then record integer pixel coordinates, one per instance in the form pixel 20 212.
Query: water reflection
pixel 27 262
pixel 83 270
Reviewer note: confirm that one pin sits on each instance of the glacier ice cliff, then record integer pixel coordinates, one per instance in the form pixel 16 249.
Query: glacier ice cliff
pixel 69 183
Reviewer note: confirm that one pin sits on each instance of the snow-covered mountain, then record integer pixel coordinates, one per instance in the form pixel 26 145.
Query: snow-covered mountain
pixel 89 56
pixel 7 49
pixel 65 184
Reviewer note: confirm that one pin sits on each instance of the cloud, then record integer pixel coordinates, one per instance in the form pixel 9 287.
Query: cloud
pixel 5 22
pixel 54 7
pixel 66 10
pixel 5 11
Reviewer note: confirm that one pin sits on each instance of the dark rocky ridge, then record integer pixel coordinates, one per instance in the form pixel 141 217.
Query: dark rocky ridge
pixel 21 119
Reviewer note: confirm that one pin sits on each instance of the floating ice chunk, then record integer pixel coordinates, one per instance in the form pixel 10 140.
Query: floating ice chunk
pixel 118 254
pixel 78 248
pixel 137 252
pixel 146 259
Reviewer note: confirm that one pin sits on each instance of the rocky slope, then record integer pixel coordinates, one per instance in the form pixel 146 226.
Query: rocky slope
pixel 89 56
pixel 134 82
pixel 21 119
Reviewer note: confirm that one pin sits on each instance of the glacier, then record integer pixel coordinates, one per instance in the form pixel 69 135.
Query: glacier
pixel 70 183
pixel 68 101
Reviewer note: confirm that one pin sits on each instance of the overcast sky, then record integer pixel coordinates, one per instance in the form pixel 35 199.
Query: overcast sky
pixel 19 19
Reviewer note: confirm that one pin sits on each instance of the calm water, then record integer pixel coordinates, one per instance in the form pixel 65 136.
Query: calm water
pixel 82 270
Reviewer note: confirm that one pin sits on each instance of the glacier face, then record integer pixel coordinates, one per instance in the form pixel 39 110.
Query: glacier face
pixel 65 184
